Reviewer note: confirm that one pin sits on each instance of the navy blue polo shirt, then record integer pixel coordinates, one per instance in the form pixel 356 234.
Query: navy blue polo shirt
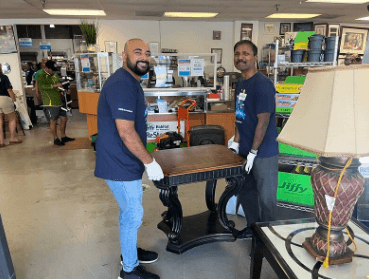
pixel 121 97
pixel 4 85
pixel 254 96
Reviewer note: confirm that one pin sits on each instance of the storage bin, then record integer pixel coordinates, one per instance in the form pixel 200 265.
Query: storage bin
pixel 314 55
pixel 296 55
pixel 316 42
pixel 329 43
pixel 328 55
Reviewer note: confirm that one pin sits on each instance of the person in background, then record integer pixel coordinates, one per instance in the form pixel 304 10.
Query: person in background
pixel 7 105
pixel 38 96
pixel 121 155
pixel 48 83
pixel 29 73
pixel 255 138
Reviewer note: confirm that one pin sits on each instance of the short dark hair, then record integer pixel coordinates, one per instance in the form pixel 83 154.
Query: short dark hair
pixel 247 42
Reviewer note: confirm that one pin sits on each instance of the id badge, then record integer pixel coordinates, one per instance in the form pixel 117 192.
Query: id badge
pixel 242 96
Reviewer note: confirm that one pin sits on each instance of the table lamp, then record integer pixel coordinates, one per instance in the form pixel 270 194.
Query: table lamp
pixel 331 120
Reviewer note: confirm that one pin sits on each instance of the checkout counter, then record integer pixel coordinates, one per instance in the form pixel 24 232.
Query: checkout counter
pixel 163 95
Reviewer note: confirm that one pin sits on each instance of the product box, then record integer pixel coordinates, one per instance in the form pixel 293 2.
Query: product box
pixel 295 189
pixel 289 88
pixel 284 106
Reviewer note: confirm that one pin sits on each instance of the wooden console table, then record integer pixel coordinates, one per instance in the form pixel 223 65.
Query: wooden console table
pixel 189 165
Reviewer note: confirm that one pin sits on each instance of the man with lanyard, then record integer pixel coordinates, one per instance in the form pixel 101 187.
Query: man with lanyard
pixel 121 155
pixel 48 83
pixel 255 138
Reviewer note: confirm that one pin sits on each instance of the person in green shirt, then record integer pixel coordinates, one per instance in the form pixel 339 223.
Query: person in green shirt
pixel 38 96
pixel 48 83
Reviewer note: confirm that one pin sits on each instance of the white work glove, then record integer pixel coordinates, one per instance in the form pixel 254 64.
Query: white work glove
pixel 154 171
pixel 235 146
pixel 250 162
pixel 15 105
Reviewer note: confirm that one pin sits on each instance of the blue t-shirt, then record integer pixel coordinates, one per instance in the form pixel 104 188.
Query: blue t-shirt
pixel 121 97
pixel 258 97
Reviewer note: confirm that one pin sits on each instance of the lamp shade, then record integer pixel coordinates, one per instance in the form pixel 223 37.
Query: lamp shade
pixel 331 116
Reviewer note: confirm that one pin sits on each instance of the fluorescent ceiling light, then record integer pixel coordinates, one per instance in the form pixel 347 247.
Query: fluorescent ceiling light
pixel 339 1
pixel 76 12
pixel 278 15
pixel 363 18
pixel 186 14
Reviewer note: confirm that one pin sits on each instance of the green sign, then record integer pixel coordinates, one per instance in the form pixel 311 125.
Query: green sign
pixel 283 110
pixel 295 188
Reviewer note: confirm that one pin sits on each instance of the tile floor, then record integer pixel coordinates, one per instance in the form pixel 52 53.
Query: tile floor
pixel 62 222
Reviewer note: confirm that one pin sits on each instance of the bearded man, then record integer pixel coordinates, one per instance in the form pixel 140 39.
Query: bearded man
pixel 121 155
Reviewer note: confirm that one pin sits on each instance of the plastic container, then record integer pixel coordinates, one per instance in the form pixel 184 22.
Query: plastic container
pixel 329 43
pixel 316 42
pixel 314 55
pixel 296 55
pixel 328 55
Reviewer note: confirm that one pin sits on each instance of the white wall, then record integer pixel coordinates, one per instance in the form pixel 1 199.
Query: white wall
pixel 185 36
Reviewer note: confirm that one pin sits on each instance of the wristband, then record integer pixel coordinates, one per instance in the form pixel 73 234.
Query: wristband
pixel 253 151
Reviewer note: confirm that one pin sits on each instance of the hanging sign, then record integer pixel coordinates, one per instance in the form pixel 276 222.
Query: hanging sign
pixel 25 42
pixel 184 67
pixel 45 46
pixel 197 67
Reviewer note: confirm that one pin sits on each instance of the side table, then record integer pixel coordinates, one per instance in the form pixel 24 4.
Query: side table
pixel 280 242
pixel 189 165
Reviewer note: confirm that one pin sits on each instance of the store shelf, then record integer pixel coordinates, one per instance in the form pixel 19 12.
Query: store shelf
pixel 283 115
pixel 294 161
pixel 305 64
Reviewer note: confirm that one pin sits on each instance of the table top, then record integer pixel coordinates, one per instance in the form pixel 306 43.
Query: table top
pixel 202 158
pixel 284 240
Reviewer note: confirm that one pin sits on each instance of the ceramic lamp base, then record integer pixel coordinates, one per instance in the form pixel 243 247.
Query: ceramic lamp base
pixel 343 258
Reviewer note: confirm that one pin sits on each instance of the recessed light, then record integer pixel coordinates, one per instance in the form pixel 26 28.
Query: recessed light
pixel 187 14
pixel 299 16
pixel 339 1
pixel 77 12
pixel 52 25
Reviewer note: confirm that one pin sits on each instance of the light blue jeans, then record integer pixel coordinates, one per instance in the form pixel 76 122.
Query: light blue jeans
pixel 129 197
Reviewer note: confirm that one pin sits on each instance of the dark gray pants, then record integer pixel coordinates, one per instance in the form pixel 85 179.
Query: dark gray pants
pixel 258 194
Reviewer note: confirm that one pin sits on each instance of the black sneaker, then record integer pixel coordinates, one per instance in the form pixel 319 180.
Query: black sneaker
pixel 144 257
pixel 66 139
pixel 58 142
pixel 138 273
pixel 245 233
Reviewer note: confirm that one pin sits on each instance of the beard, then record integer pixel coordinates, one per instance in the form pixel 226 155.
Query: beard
pixel 134 67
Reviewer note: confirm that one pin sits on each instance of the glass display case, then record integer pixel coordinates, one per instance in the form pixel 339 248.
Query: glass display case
pixel 92 70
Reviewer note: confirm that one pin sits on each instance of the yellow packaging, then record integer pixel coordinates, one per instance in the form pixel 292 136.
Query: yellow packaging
pixel 289 88
pixel 303 45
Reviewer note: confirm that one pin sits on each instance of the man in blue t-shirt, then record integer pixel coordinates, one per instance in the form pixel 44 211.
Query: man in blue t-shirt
pixel 121 155
pixel 255 137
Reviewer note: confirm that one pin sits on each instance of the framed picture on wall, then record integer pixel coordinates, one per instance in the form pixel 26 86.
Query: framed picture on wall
pixel 246 31
pixel 217 35
pixel 333 30
pixel 303 26
pixel 321 29
pixel 111 47
pixel 218 51
pixel 269 29
pixel 353 40
pixel 284 27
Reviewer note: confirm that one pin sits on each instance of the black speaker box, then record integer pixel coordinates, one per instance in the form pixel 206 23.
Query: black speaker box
pixel 207 134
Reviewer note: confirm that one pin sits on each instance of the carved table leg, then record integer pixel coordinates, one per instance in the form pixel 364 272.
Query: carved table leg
pixel 173 217
pixel 231 189
pixel 211 185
